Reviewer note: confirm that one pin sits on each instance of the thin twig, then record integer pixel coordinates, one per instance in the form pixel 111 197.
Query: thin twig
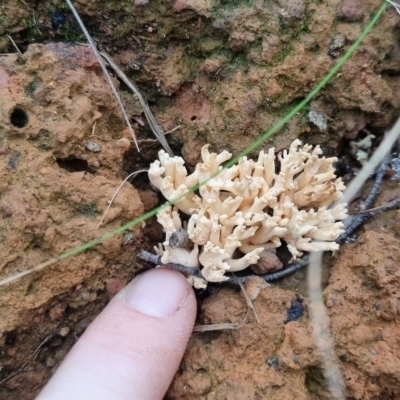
pixel 133 174
pixel 154 126
pixel 220 327
pixel 216 327
pixel 34 21
pixel 248 300
pixel 15 46
pixel 380 173
pixel 172 130
pixel 372 212
pixel 109 80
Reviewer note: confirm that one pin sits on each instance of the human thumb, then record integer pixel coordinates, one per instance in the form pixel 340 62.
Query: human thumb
pixel 134 347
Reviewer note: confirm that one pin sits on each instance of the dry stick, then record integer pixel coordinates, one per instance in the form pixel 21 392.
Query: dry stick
pixel 15 46
pixel 216 327
pixel 376 185
pixel 36 25
pixel 31 358
pixel 246 296
pixel 133 174
pixel 109 80
pixel 378 210
pixel 220 327
pixel 154 126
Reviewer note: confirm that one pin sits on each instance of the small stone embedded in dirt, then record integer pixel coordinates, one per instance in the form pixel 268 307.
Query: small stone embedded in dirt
pixel 50 362
pixel 335 45
pixel 254 285
pixel 293 10
pixel 113 286
pixel 11 352
pixel 318 119
pixel 268 262
pixel 93 147
pixel 351 11
pixel 57 312
pixel 201 7
pixel 81 326
pixel 211 65
pixel 273 362
pixel 296 310
pixel 64 331
pixel 124 144
pixel 14 159
pixel 128 237
pixel 5 209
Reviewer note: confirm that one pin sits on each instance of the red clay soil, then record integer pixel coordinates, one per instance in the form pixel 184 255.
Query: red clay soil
pixel 224 76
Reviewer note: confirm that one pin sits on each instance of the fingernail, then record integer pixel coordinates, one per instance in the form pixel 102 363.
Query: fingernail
pixel 158 293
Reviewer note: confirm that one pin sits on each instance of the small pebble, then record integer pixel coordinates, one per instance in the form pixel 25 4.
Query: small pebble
pixel 64 331
pixel 296 310
pixel 93 147
pixel 318 119
pixel 128 237
pixel 268 262
pixel 123 143
pixel 335 45
pixel 179 238
pixel 274 363
pixel 113 286
pixel 351 11
pixel 12 351
pixel 50 362
pixel 254 285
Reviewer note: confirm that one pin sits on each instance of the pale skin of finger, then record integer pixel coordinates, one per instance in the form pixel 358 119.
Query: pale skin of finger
pixel 134 347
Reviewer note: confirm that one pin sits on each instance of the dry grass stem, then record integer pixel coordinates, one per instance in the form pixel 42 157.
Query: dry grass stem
pixel 221 327
pixel 15 46
pixel 107 75
pixel 132 175
pixel 246 296
pixel 216 327
pixel 154 126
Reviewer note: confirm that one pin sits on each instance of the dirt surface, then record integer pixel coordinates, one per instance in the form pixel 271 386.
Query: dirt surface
pixel 278 360
pixel 53 192
pixel 224 72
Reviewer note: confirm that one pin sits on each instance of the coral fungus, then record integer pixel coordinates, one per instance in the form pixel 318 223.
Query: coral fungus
pixel 249 207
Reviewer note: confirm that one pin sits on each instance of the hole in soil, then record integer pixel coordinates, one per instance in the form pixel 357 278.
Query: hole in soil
pixel 74 165
pixel 193 118
pixel 19 117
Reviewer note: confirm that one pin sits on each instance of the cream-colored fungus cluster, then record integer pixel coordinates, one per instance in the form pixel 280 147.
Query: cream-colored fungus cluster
pixel 251 206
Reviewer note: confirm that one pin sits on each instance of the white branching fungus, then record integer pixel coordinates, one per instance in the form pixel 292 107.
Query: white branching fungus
pixel 249 207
